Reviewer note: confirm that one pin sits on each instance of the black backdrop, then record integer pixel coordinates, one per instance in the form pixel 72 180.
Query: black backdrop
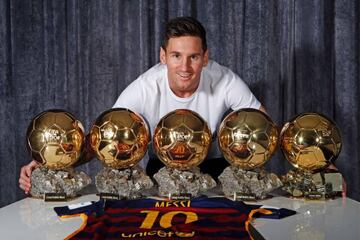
pixel 296 56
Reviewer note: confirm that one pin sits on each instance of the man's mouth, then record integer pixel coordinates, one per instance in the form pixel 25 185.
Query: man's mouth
pixel 185 76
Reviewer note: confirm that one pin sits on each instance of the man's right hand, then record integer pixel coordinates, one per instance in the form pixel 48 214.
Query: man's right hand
pixel 25 173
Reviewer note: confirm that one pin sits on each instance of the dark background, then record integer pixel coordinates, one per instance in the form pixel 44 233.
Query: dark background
pixel 296 56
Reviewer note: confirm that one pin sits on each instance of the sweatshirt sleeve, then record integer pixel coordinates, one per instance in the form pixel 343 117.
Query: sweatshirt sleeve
pixel 131 97
pixel 239 95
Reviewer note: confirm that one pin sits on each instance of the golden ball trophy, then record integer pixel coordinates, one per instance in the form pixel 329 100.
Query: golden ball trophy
pixel 55 139
pixel 247 139
pixel 181 141
pixel 119 138
pixel 311 142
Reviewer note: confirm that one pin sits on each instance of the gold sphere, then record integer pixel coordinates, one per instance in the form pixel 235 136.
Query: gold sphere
pixel 119 138
pixel 310 141
pixel 182 139
pixel 55 139
pixel 247 138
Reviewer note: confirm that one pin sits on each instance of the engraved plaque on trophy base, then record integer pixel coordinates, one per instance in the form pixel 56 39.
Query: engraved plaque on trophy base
pixel 246 185
pixel 183 184
pixel 127 183
pixel 57 185
pixel 315 186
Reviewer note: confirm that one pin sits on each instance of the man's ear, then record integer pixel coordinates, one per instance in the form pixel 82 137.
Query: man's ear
pixel 206 58
pixel 162 55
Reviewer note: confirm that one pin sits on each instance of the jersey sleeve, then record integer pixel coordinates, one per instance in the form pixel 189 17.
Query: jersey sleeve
pixel 82 210
pixel 276 213
pixel 75 209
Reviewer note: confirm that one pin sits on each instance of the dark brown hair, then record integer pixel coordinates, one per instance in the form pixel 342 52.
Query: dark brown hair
pixel 184 26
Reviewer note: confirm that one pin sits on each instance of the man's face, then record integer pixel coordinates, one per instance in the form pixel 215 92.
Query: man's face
pixel 185 59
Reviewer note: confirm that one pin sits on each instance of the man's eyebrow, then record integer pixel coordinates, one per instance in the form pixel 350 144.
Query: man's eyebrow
pixel 191 54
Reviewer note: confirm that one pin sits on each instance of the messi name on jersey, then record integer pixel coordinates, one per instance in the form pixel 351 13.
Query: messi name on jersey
pixel 199 218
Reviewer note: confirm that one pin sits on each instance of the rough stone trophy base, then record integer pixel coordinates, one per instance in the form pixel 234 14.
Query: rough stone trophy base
pixel 245 185
pixel 181 184
pixel 127 183
pixel 57 185
pixel 315 186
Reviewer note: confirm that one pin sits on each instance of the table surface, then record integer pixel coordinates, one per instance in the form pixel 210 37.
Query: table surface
pixel 332 219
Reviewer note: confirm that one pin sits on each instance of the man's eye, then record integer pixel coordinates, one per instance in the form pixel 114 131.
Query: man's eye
pixel 175 55
pixel 195 57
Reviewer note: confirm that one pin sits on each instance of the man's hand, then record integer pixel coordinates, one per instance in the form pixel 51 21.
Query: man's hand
pixel 25 173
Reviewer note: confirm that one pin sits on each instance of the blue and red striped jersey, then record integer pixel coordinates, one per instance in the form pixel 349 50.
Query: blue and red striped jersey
pixel 198 218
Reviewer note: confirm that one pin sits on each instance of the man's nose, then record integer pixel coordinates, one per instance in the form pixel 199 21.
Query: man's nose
pixel 185 63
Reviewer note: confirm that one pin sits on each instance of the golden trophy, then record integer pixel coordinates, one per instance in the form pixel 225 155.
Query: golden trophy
pixel 311 142
pixel 247 139
pixel 55 139
pixel 119 138
pixel 181 141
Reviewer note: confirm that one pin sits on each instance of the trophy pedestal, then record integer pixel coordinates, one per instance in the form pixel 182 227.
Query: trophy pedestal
pixel 174 183
pixel 315 186
pixel 246 185
pixel 127 183
pixel 57 185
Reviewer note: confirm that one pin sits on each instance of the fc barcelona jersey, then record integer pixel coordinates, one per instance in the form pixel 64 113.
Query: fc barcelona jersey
pixel 199 218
